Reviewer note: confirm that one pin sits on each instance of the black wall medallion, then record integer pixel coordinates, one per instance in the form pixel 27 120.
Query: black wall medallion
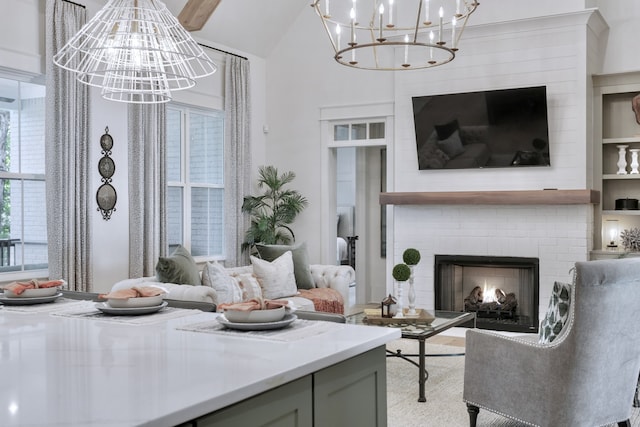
pixel 106 195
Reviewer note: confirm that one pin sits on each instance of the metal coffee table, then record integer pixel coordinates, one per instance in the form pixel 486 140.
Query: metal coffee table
pixel 443 320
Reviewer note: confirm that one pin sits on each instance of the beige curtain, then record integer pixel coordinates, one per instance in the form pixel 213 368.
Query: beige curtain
pixel 69 204
pixel 147 187
pixel 237 157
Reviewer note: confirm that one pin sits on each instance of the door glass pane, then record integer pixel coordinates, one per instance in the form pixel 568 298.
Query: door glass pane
pixel 341 133
pixel 174 163
pixel 359 131
pixel 207 221
pixel 376 130
pixel 174 217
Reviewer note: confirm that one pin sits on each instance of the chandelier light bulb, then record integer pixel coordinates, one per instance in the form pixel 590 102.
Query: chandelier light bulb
pixel 453 33
pixel 381 16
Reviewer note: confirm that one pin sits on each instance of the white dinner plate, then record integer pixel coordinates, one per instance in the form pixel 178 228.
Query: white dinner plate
pixel 129 311
pixel 28 300
pixel 286 321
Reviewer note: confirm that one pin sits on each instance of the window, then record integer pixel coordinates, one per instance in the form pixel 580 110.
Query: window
pixel 358 131
pixel 195 180
pixel 23 227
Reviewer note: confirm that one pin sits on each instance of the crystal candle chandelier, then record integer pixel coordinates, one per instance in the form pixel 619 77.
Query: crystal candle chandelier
pixel 136 51
pixel 394 35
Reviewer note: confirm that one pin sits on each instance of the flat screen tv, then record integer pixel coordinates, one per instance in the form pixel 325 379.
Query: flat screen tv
pixel 504 128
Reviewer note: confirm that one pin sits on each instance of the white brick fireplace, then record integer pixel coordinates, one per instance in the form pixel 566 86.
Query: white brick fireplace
pixel 558 235
pixel 559 52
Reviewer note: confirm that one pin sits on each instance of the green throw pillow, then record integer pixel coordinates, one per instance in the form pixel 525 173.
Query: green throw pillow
pixel 178 268
pixel 301 270
pixel 557 314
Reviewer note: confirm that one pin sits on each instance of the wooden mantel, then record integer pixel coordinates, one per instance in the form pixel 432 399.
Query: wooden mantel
pixel 527 197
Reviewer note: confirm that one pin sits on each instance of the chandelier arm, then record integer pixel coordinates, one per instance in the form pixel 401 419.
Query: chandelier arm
pixel 462 27
pixel 418 15
pixel 316 6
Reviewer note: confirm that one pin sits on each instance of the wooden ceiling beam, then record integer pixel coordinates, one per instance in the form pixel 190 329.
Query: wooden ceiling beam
pixel 196 13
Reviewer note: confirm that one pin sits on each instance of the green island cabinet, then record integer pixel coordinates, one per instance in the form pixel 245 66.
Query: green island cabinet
pixel 352 393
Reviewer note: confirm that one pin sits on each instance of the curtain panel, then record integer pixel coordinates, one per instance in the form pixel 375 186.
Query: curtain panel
pixel 237 154
pixel 147 187
pixel 68 199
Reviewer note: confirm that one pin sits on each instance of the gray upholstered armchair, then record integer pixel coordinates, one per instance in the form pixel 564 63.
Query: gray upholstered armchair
pixel 585 377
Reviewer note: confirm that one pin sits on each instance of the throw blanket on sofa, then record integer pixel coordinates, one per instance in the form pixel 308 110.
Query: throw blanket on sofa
pixel 324 299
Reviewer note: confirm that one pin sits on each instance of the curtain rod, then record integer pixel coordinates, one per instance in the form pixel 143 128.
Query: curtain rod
pixel 74 3
pixel 201 44
pixel 223 51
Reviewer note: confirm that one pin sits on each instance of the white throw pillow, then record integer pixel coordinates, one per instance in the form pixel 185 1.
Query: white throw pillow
pixel 227 289
pixel 276 277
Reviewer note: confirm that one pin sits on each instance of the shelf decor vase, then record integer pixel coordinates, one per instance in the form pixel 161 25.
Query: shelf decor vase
pixel 634 160
pixel 411 257
pixel 399 307
pixel 411 296
pixel 401 273
pixel 622 159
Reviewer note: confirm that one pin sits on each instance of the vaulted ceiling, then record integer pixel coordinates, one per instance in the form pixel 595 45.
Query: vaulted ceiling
pixel 251 26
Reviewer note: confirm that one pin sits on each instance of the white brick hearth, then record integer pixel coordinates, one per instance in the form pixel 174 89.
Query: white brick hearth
pixel 559 235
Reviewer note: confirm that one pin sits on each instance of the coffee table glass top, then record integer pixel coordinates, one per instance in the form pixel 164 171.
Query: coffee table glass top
pixel 443 321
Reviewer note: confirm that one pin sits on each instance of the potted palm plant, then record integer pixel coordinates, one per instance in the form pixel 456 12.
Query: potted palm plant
pixel 273 211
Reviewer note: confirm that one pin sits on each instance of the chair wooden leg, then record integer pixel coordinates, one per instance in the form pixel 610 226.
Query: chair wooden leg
pixel 625 423
pixel 473 414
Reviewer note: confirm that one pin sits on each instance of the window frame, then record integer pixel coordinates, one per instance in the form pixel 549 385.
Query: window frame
pixel 23 177
pixel 185 184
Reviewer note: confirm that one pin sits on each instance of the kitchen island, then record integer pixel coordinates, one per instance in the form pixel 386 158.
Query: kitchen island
pixel 68 371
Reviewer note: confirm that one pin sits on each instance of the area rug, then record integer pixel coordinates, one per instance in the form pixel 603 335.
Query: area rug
pixel 444 405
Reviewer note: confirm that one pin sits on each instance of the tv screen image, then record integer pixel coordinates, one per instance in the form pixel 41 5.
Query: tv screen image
pixel 503 128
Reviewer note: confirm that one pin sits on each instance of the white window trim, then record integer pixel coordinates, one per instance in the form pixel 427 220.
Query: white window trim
pixel 184 183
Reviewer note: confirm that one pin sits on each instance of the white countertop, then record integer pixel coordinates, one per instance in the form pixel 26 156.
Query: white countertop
pixel 80 372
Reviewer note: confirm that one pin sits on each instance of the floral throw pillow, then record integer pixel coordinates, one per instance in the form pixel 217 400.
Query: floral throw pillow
pixel 557 314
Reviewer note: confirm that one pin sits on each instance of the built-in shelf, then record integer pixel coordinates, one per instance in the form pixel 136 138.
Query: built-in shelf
pixel 616 176
pixel 622 212
pixel 526 197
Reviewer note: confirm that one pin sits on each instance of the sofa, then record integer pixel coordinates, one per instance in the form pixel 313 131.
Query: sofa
pixel 326 288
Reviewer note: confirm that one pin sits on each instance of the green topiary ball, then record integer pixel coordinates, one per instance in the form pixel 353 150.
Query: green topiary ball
pixel 401 272
pixel 411 256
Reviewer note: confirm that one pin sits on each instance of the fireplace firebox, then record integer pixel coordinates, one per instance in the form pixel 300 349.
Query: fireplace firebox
pixel 502 291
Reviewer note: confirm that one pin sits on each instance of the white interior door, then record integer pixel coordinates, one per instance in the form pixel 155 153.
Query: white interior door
pixel 359 181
